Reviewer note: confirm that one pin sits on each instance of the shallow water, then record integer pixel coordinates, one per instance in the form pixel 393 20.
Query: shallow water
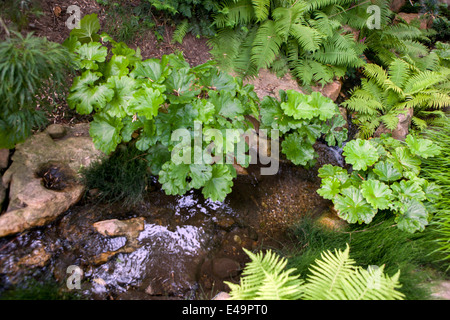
pixel 183 248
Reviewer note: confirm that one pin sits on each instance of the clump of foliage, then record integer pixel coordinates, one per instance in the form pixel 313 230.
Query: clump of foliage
pixel 193 16
pixel 333 277
pixel 437 170
pixel 379 244
pixel 19 12
pixel 145 101
pixel 32 72
pixel 126 19
pixel 304 37
pixel 384 177
pixel 384 94
pixel 301 119
pixel 121 177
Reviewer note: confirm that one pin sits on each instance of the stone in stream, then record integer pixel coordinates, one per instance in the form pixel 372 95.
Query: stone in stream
pixel 43 177
pixel 114 228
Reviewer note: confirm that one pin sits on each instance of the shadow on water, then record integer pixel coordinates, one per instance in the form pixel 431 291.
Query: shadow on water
pixel 188 246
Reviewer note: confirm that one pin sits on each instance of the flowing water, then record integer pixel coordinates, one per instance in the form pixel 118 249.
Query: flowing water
pixel 187 248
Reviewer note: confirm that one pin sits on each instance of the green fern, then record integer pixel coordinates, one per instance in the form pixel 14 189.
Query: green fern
pixel 291 35
pixel 333 277
pixel 265 278
pixel 180 31
pixel 386 93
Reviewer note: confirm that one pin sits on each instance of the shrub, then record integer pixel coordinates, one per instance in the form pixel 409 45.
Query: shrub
pixel 305 38
pixel 122 177
pixel 32 72
pixel 387 93
pixel 384 177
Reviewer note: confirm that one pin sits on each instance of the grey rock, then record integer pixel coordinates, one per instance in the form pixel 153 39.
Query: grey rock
pixel 32 200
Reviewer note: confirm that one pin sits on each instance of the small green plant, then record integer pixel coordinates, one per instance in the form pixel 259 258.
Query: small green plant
pixel 20 12
pixel 194 16
pixel 301 119
pixel 126 20
pixel 121 177
pixel 32 71
pixel 144 102
pixel 384 177
pixel 333 277
pixel 384 94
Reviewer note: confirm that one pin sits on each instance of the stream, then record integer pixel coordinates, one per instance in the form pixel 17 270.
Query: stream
pixel 188 246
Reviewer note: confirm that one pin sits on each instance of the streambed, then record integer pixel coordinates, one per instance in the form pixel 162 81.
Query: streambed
pixel 187 248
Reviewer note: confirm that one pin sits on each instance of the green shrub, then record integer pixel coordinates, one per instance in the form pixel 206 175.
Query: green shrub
pixel 193 16
pixel 302 119
pixel 146 101
pixel 32 71
pixel 386 93
pixel 303 37
pixel 384 176
pixel 122 177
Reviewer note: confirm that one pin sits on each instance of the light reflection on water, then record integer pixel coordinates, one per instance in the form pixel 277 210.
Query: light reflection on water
pixel 162 252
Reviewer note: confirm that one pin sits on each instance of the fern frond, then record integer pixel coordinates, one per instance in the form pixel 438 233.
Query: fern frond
pixel 242 63
pixel 336 277
pixel 286 17
pixel 180 31
pixel 265 277
pixel 235 13
pixel 327 274
pixel 320 4
pixel 261 8
pixel 422 81
pixel 390 120
pixel 266 45
pixel 399 72
pixel 308 38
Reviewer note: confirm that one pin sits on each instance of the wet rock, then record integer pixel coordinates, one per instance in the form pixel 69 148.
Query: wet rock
pixel 268 84
pixel 396 5
pixel 4 158
pixel 402 130
pixel 114 228
pixel 225 223
pixel 224 268
pixel 32 202
pixel 38 258
pixel 440 290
